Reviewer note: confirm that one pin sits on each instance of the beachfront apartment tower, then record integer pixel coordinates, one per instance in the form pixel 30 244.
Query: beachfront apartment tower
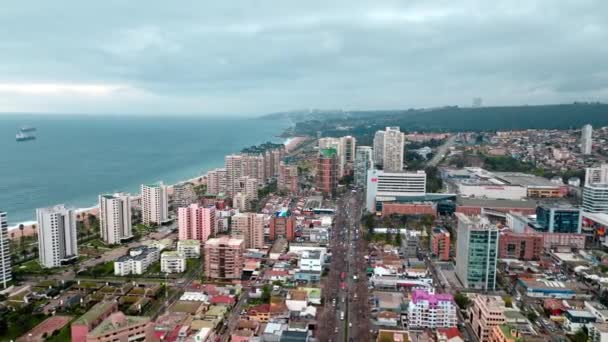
pixel 216 181
pixel 364 161
pixel 393 149
pixel 224 258
pixel 250 228
pixel 154 204
pixel 196 223
pixel 183 195
pixel 234 171
pixel 476 252
pixel 115 218
pixel 327 171
pixel 378 148
pixel 586 139
pixel 6 274
pixel 595 191
pixel 57 241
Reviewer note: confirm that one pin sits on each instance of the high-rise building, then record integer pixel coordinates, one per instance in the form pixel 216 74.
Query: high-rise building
pixel 431 311
pixel 327 171
pixel 154 204
pixel 282 225
pixel 382 185
pixel 379 148
pixel 392 159
pixel 338 147
pixel 586 139
pixel 6 274
pixel 196 223
pixel 440 243
pixel 288 178
pixel 349 146
pixel 216 181
pixel 115 218
pixel 253 166
pixel 250 228
pixel 57 240
pixel 485 313
pixel 183 195
pixel 241 202
pixel 234 171
pixel 595 191
pixel 224 258
pixel 476 252
pixel 364 162
pixel 247 186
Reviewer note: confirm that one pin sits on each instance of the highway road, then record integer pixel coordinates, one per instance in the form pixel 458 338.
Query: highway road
pixel 442 151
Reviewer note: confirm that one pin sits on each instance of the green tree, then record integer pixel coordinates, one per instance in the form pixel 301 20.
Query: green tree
pixel 462 300
pixel 508 301
pixel 532 316
pixel 398 239
pixel 266 291
pixel 580 336
pixel 388 237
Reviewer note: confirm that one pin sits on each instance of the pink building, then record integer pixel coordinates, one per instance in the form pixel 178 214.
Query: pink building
pixel 196 222
pixel 440 244
pixel 552 240
pixel 120 328
pixel 526 246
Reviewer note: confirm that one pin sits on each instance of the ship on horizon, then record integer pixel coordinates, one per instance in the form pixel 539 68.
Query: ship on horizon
pixel 26 133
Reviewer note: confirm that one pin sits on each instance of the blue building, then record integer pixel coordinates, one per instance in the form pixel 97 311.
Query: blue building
pixel 558 219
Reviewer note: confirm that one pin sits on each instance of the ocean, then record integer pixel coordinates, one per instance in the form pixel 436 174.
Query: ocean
pixel 77 157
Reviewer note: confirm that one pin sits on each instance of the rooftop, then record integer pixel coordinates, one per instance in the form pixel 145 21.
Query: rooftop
pixel 328 152
pixel 224 240
pixel 94 313
pixel 433 299
pixel 117 320
pixel 189 242
pixel 507 331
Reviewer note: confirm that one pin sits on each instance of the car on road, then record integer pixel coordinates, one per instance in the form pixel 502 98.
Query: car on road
pixel 341 315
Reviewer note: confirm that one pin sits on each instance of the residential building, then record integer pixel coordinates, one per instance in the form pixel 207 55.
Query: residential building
pixel 154 204
pixel 449 335
pixel 349 145
pixel 183 195
pixel 288 178
pixel 522 246
pixel 234 170
pixel 247 186
pixel 81 327
pixel 57 240
pixel 241 202
pixel 476 252
pixel 440 243
pixel 327 171
pixel 216 181
pixel 191 249
pixel 431 311
pixel 115 218
pixel 311 260
pixel 586 139
pixel 121 328
pixel 250 228
pixel 364 161
pixel 340 145
pixel 392 159
pixel 378 148
pixel 557 219
pixel 137 261
pixel 172 262
pixel 6 274
pixel 282 226
pixel 196 222
pixel 485 313
pixel 595 191
pixel 393 185
pixel 224 258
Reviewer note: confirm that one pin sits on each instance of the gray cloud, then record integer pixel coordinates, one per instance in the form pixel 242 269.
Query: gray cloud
pixel 257 56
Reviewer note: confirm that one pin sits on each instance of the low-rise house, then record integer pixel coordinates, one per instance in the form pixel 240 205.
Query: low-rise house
pixel 137 261
pixel 190 248
pixel 449 335
pixel 575 320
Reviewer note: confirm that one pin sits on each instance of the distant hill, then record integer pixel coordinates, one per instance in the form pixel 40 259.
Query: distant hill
pixel 450 119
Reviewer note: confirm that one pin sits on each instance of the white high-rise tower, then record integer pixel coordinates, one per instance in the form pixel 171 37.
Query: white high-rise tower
pixel 57 241
pixel 586 139
pixel 154 203
pixel 5 253
pixel 115 218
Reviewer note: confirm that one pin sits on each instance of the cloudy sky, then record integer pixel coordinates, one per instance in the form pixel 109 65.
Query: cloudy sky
pixel 253 57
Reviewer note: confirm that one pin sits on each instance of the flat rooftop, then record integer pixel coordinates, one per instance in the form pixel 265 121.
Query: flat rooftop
pixel 495 203
pixel 524 179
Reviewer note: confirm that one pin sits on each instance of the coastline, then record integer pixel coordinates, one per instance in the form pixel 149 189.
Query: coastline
pixel 290 143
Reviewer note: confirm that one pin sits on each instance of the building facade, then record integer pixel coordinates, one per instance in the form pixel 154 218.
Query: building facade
pixel 288 178
pixel 382 184
pixel 191 249
pixel 196 222
pixel 431 311
pixel 6 271
pixel 392 159
pixel 172 262
pixel 521 246
pixel 115 218
pixel 154 204
pixel 327 171
pixel 183 195
pixel 476 252
pixel 558 219
pixel 378 148
pixel 57 239
pixel 440 243
pixel 586 139
pixel 282 226
pixel 224 258
pixel 485 313
pixel 595 191
pixel 216 181
pixel 364 161
pixel 250 228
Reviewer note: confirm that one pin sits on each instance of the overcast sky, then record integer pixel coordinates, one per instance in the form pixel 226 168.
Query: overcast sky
pixel 254 57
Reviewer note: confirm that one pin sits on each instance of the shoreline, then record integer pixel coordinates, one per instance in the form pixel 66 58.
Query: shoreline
pixel 290 144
